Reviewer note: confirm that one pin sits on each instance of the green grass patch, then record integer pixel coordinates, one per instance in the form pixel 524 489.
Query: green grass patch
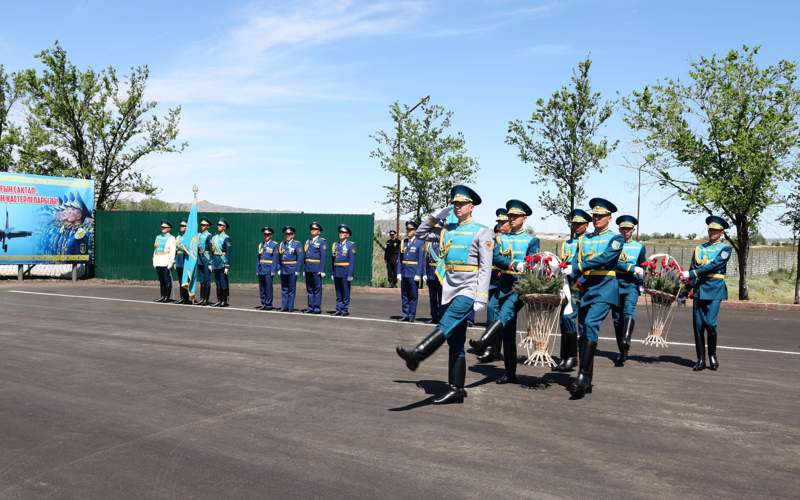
pixel 777 287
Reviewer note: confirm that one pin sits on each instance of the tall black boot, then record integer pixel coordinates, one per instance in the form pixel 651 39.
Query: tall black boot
pixel 206 293
pixel 183 294
pixel 424 349
pixel 168 291
pixel 700 349
pixel 562 353
pixel 509 360
pixel 713 364
pixel 498 345
pixel 570 360
pixel 457 370
pixel 225 294
pixel 630 323
pixel 583 384
pixel 219 298
pixel 619 334
pixel 488 337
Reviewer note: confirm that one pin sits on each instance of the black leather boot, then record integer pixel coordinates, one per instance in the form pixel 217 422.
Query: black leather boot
pixel 630 323
pixel 570 360
pixel 184 295
pixel 488 355
pixel 713 364
pixel 219 298
pixel 424 349
pixel 562 352
pixel 456 395
pixel 509 361
pixel 498 346
pixel 583 384
pixel 163 296
pixel 700 349
pixel 207 295
pixel 225 294
pixel 168 292
pixel 488 337
pixel 619 334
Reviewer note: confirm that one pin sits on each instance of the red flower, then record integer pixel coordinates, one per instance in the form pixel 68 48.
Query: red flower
pixel 547 259
pixel 563 265
pixel 664 262
pixel 529 258
pixel 536 258
pixel 691 293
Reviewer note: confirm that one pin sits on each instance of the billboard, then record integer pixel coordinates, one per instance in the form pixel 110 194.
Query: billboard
pixel 45 219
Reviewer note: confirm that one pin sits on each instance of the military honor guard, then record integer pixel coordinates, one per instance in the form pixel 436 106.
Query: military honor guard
pixel 344 265
pixel 493 352
pixel 465 268
pixel 706 278
pixel 204 261
pixel 434 287
pixel 509 304
pixel 594 265
pixel 181 252
pixel 221 261
pixel 266 267
pixel 410 269
pixel 630 278
pixel 290 262
pixel 163 260
pixel 568 323
pixel 316 254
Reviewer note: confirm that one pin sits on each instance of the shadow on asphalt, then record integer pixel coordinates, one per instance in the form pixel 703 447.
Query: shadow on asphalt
pixel 648 360
pixel 432 387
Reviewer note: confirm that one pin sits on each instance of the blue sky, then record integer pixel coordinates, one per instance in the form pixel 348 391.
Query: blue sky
pixel 279 98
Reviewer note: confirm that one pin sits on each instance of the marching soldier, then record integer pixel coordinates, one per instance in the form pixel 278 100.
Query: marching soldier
pixel 594 265
pixel 630 277
pixel 163 260
pixel 568 360
pixel 501 228
pixel 221 262
pixel 316 254
pixel 265 269
pixel 434 287
pixel 180 255
pixel 706 277
pixel 410 269
pixel 204 261
pixel 465 268
pixel 290 261
pixel 344 264
pixel 511 267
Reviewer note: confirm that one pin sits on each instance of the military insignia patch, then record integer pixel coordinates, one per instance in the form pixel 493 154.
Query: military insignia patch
pixel 615 245
pixel 83 248
pixel 80 233
pixel 725 254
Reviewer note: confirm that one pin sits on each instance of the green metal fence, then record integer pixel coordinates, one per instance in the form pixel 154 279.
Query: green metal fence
pixel 124 240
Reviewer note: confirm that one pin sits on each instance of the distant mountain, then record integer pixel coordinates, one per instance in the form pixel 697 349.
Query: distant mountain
pixel 207 206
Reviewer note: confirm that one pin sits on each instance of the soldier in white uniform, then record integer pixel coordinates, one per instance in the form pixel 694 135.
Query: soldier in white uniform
pixel 163 260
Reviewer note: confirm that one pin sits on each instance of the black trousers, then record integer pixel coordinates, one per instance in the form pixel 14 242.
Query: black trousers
pixel 391 269
pixel 165 280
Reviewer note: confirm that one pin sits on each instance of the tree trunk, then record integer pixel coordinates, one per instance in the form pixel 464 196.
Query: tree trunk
pixel 742 249
pixel 797 276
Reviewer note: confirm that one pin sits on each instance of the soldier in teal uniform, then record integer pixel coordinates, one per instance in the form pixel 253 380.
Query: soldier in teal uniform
pixel 221 261
pixel 706 277
pixel 511 268
pixel 594 265
pixel 434 287
pixel 630 278
pixel 204 261
pixel 180 257
pixel 265 268
pixel 494 352
pixel 465 267
pixel 579 222
pixel 290 261
pixel 343 260
pixel 316 255
pixel 164 259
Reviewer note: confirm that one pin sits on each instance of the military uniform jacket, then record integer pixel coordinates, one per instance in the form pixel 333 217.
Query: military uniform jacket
pixel 465 253
pixel 204 248
pixel 392 249
pixel 502 259
pixel 344 259
pixel 412 258
pixel 290 257
pixel 180 251
pixel 633 255
pixel 316 254
pixel 707 271
pixel 431 259
pixel 220 251
pixel 164 250
pixel 521 245
pixel 594 265
pixel 266 258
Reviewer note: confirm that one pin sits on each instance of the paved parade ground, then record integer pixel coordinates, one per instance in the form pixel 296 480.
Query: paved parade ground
pixel 106 395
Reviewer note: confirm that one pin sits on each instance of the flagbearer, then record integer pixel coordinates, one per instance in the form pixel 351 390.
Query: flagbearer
pixel 630 277
pixel 181 252
pixel 595 266
pixel 410 269
pixel 494 352
pixel 344 265
pixel 221 261
pixel 204 261
pixel 316 254
pixel 290 260
pixel 568 360
pixel 465 267
pixel 163 260
pixel 431 261
pixel 266 267
pixel 706 277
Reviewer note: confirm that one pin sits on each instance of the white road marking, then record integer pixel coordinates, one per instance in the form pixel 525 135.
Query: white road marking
pixel 345 318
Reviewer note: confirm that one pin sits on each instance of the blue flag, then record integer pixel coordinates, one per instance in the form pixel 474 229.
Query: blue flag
pixel 190 263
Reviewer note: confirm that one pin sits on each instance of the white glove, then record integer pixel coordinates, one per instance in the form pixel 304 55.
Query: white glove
pixel 225 271
pixel 567 271
pixel 297 273
pixel 416 278
pixel 322 275
pixel 638 272
pixel 399 277
pixel 349 278
pixel 478 306
pixel 279 272
pixel 519 267
pixel 209 267
pixel 685 275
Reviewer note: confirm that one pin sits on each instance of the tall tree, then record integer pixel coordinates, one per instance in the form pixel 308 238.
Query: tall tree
pixel 560 141
pixel 10 93
pixel 93 125
pixel 427 156
pixel 722 140
pixel 791 218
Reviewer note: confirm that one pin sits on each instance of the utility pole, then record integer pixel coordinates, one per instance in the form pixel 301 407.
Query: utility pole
pixel 639 200
pixel 422 101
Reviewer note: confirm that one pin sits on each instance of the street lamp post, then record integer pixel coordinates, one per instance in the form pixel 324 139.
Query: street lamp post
pixel 397 153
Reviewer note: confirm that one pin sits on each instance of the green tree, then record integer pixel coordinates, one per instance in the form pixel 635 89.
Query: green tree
pixel 721 141
pixel 93 125
pixel 559 141
pixel 427 156
pixel 791 218
pixel 10 94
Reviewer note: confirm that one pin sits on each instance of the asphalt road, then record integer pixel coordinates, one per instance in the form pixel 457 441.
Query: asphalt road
pixel 123 398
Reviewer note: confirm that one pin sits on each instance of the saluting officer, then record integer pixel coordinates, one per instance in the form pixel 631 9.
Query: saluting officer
pixel 706 277
pixel 204 261
pixel 221 261
pixel 290 261
pixel 266 267
pixel 163 260
pixel 410 269
pixel 180 256
pixel 391 254
pixel 493 352
pixel 595 266
pixel 344 265
pixel 511 267
pixel 630 277
pixel 568 360
pixel 316 254
pixel 434 287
